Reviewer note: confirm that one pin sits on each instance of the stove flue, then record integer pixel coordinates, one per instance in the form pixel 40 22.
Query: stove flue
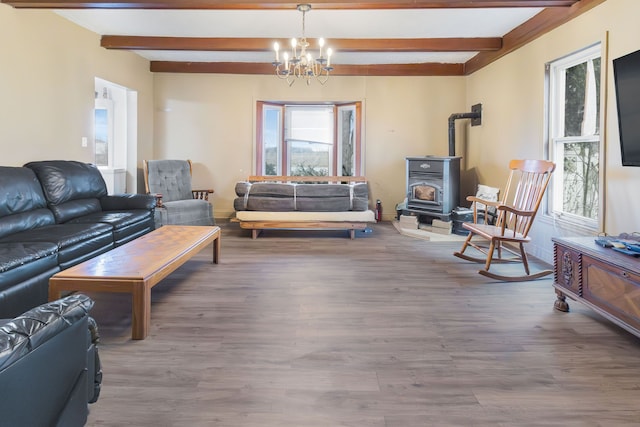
pixel 476 119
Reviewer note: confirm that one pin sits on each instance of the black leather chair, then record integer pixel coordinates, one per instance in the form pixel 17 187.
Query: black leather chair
pixel 49 365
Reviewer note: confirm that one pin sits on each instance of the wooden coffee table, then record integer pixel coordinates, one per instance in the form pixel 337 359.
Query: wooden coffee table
pixel 136 267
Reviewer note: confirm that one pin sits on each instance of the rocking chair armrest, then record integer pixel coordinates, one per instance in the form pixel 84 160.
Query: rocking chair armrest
pixel 201 194
pixel 516 211
pixel 476 201
pixel 482 201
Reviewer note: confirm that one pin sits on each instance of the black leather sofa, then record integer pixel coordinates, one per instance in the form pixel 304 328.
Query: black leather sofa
pixel 49 365
pixel 56 214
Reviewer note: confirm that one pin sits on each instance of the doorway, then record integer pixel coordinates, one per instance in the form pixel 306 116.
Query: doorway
pixel 115 135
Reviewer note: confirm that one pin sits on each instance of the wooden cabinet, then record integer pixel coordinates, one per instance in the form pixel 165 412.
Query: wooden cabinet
pixel 600 278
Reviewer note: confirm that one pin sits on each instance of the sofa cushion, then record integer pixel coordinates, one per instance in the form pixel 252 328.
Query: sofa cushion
pixel 22 203
pixel 122 202
pixel 26 221
pixel 127 225
pixel 323 190
pixel 117 219
pixel 185 212
pixel 265 189
pixel 21 260
pixel 72 189
pixel 323 204
pixel 75 242
pixel 316 197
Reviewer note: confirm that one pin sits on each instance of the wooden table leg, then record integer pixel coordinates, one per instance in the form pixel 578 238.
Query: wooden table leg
pixel 54 292
pixel 216 249
pixel 141 310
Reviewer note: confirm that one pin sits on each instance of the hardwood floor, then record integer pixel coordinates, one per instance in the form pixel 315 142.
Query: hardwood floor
pixel 311 329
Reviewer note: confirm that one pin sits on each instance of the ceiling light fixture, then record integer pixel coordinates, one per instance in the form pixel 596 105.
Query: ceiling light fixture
pixel 300 64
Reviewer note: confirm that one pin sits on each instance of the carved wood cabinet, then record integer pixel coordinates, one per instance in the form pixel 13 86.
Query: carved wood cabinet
pixel 600 278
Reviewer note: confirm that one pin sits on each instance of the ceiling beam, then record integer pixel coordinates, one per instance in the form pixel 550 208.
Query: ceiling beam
pixel 430 69
pixel 281 4
pixel 537 26
pixel 266 45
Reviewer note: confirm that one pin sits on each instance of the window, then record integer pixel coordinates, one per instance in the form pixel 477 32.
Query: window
pixel 114 131
pixel 574 136
pixel 103 129
pixel 308 139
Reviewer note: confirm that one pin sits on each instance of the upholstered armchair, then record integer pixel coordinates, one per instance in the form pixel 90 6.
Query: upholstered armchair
pixel 177 202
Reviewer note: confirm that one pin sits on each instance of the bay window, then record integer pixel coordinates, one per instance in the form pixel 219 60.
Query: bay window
pixel 308 139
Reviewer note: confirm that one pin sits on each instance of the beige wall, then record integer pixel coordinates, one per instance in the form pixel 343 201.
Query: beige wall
pixel 47 71
pixel 512 93
pixel 210 119
pixel 49 65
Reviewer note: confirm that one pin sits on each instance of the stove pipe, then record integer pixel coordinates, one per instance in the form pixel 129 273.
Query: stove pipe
pixel 475 115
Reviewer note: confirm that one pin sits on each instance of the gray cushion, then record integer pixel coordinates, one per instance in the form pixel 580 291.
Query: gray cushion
pixel 323 190
pixel 185 212
pixel 171 178
pixel 285 197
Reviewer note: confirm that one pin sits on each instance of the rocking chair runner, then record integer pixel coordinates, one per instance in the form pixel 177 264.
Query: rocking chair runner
pixel 515 214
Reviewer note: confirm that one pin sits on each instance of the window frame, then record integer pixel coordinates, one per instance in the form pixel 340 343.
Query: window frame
pixel 283 145
pixel 554 126
pixel 106 105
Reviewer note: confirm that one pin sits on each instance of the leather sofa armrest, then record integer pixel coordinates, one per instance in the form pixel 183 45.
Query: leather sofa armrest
pixel 44 365
pixel 25 333
pixel 127 201
pixel 94 366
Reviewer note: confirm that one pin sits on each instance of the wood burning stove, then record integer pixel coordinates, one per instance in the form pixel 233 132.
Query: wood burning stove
pixel 433 185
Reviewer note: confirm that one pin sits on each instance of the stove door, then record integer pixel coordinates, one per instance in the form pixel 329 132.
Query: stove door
pixel 425 193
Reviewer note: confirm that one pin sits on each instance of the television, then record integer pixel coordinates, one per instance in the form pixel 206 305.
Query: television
pixel 626 72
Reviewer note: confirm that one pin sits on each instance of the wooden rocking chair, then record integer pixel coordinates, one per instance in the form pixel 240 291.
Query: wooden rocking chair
pixel 515 214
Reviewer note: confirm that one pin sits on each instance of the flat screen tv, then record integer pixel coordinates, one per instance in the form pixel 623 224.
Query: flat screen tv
pixel 626 72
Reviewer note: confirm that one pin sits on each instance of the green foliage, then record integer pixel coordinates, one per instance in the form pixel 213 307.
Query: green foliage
pixel 270 169
pixel 303 169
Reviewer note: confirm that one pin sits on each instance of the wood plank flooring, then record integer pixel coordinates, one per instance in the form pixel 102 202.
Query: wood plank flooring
pixel 311 329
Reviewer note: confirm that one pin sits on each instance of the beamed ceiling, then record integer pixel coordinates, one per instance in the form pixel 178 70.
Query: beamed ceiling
pixel 369 38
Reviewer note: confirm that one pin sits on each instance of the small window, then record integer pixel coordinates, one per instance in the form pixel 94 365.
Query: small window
pixel 575 143
pixel 103 128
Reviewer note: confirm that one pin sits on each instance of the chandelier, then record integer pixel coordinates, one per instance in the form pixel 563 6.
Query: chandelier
pixel 299 64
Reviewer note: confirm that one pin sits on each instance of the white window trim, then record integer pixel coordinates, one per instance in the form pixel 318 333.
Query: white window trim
pixel 555 121
pixel 280 111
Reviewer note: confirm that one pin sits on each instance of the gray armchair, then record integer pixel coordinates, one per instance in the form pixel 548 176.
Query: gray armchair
pixel 177 202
